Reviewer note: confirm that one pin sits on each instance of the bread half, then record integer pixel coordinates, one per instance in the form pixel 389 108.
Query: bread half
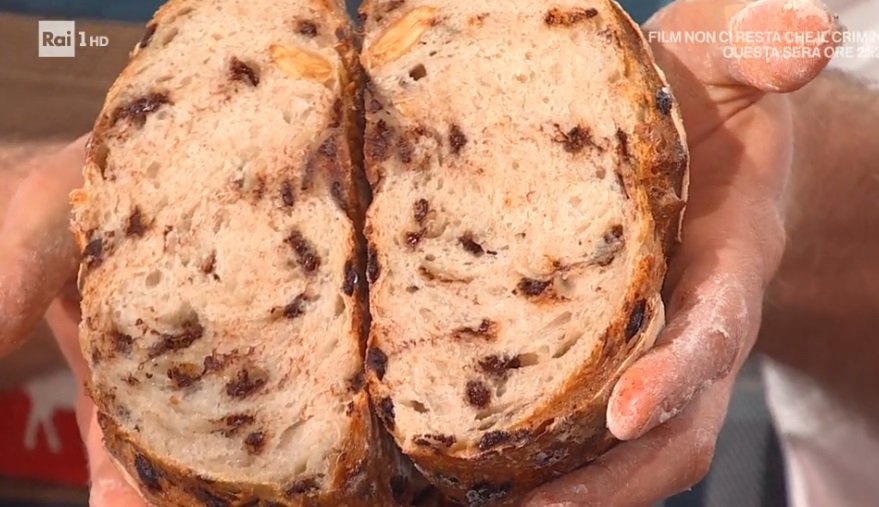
pixel 528 167
pixel 222 281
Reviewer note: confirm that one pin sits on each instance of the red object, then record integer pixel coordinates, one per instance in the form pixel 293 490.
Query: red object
pixel 39 439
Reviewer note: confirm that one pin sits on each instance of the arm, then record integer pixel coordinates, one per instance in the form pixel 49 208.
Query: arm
pixel 821 311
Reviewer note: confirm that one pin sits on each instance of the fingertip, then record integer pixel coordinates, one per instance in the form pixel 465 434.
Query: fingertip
pixel 779 46
pixel 655 389
pixel 626 417
pixel 640 400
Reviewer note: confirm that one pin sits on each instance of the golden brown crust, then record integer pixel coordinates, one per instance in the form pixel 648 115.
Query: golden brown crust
pixel 662 144
pixel 571 432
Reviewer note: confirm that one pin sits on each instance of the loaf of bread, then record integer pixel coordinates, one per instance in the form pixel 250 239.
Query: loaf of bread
pixel 528 171
pixel 222 279
pixel 528 167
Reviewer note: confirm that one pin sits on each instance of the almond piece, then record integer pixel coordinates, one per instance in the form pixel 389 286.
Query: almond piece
pixel 400 36
pixel 302 64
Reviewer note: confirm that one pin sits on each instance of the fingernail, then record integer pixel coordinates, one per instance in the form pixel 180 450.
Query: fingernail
pixel 626 413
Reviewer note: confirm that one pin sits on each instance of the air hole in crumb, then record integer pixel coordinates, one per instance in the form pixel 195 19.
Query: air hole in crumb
pixel 565 286
pixel 418 72
pixel 487 423
pixel 340 306
pixel 566 345
pixel 185 81
pixel 540 430
pixel 301 468
pixel 216 36
pixel 220 220
pixel 416 406
pixel 429 257
pixel 576 201
pixel 528 359
pixel 288 116
pixel 289 434
pixel 185 223
pixel 152 170
pixel 561 320
pixel 436 230
pixel 163 79
pixel 162 115
pixel 153 278
pixel 101 154
pixel 166 37
pixel 641 113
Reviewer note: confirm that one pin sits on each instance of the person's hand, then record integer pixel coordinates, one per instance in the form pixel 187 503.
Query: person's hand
pixel 38 263
pixel 668 408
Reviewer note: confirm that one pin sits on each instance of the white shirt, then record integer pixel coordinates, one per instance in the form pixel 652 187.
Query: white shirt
pixel 832 459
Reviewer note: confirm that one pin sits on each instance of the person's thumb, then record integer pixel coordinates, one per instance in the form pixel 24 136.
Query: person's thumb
pixel 38 254
pixel 716 52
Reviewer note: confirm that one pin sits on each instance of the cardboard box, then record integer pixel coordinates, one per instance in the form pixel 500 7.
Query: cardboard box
pixel 45 103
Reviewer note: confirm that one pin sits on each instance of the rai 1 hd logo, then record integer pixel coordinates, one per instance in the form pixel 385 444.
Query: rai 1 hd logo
pixel 59 39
